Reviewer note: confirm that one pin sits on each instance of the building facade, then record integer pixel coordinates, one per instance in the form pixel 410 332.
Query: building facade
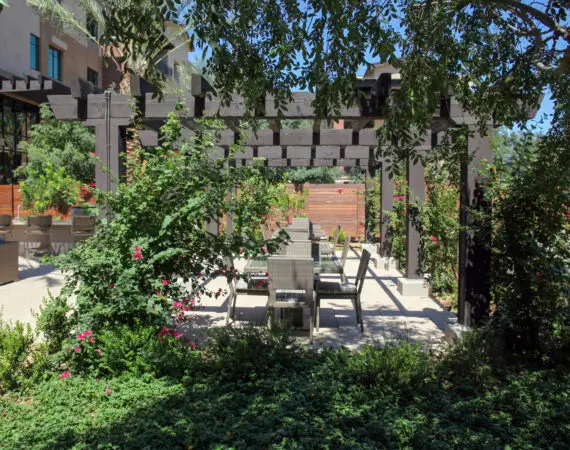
pixel 34 49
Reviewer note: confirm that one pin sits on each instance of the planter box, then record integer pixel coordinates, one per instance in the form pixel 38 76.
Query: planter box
pixel 8 262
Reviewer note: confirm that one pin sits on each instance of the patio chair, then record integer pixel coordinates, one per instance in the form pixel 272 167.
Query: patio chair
pixel 82 227
pixel 5 224
pixel 297 248
pixel 297 235
pixel 343 257
pixel 38 228
pixel 335 290
pixel 330 249
pixel 257 285
pixel 291 286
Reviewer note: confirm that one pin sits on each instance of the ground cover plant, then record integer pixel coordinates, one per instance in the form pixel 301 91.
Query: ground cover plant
pixel 250 388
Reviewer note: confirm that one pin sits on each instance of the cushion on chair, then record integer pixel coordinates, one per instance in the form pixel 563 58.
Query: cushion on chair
pixel 335 287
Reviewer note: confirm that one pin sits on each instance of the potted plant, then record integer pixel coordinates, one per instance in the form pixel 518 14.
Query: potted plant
pixel 50 189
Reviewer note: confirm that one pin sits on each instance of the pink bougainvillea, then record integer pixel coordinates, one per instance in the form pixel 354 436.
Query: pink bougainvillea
pixel 138 253
pixel 433 239
pixel 64 375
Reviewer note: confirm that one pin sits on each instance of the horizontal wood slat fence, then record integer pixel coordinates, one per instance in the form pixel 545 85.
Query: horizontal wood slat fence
pixel 332 204
pixel 327 205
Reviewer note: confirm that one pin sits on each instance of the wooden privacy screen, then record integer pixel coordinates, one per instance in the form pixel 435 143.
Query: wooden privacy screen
pixel 329 205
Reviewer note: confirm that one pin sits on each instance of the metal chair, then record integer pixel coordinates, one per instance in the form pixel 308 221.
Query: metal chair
pixel 5 224
pixel 335 290
pixel 82 227
pixel 291 286
pixel 38 228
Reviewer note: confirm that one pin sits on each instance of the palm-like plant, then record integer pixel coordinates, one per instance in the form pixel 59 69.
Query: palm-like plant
pixel 149 25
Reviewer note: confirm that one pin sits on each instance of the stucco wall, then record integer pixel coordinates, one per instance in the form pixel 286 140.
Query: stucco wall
pixel 16 24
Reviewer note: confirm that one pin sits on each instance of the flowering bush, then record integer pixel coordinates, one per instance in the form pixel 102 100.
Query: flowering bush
pixel 158 232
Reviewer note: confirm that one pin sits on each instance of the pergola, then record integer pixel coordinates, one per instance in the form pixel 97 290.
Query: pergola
pixel 356 145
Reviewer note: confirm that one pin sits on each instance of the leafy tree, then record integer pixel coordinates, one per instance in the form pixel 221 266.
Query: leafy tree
pixel 63 144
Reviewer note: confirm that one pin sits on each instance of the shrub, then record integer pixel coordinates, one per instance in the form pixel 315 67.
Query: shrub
pixel 137 349
pixel 54 322
pixel 63 144
pixel 15 348
pixel 49 188
pixel 140 265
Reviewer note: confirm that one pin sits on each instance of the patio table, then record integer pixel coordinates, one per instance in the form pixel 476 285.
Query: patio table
pixel 327 264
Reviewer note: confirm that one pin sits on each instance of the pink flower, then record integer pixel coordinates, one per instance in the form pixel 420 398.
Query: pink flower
pixel 91 340
pixel 341 191
pixel 178 335
pixel 80 336
pixel 77 349
pixel 108 391
pixel 111 286
pixel 264 250
pixel 94 154
pixel 87 333
pixel 165 282
pixel 64 375
pixel 99 351
pixel 433 239
pixel 537 274
pixel 176 304
pixel 241 250
pixel 399 197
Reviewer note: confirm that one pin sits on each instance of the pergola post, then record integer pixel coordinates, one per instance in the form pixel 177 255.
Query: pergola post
pixel 475 234
pixel 386 207
pixel 413 283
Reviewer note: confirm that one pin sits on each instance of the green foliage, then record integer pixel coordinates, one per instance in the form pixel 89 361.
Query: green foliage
pixel 15 347
pixel 141 264
pixel 288 204
pixel 314 175
pixel 53 321
pixel 396 219
pixel 49 188
pixel 61 143
pixel 530 191
pixel 372 196
pixel 342 236
pixel 288 396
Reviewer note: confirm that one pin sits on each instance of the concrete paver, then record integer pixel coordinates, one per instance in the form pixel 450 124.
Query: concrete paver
pixel 388 316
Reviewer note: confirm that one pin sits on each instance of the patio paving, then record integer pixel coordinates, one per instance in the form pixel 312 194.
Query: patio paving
pixel 388 316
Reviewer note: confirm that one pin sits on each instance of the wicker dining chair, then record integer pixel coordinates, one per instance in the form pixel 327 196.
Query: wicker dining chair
pixel 290 285
pixel 5 224
pixel 256 285
pixel 297 248
pixel 350 291
pixel 38 228
pixel 82 227
pixel 343 257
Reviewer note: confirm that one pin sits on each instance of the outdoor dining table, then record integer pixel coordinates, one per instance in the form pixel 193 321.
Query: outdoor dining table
pixel 326 264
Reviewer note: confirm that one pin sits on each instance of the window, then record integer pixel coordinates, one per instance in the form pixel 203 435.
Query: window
pixel 54 63
pixel 93 76
pixel 34 52
pixel 91 25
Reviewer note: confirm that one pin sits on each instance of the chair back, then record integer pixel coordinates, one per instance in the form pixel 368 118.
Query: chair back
pixel 362 268
pixel 298 248
pixel 298 235
pixel 291 274
pixel 82 224
pixel 40 223
pixel 345 251
pixel 5 223
pixel 300 220
pixel 335 237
